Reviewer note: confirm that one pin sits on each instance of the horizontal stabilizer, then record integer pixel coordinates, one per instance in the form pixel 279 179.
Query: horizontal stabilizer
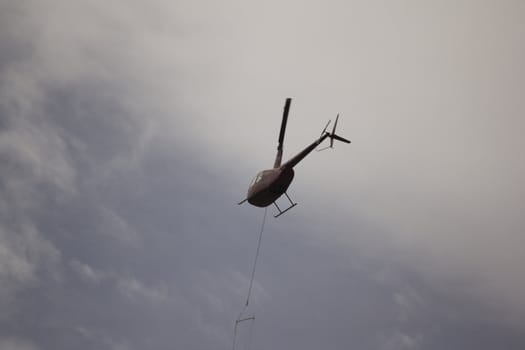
pixel 339 138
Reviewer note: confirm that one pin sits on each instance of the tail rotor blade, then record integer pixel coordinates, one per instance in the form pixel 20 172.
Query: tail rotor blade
pixel 339 138
pixel 333 132
pixel 326 126
pixel 335 124
pixel 333 135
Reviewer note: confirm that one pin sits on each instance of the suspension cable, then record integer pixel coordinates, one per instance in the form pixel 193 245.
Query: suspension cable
pixel 251 318
pixel 256 256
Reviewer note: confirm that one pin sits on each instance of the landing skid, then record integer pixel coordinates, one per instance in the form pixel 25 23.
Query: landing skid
pixel 281 212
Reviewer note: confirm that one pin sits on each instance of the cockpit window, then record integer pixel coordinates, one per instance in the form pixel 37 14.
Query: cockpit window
pixel 257 179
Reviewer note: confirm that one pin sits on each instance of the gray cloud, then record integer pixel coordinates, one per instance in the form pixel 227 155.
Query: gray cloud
pixel 16 344
pixel 128 131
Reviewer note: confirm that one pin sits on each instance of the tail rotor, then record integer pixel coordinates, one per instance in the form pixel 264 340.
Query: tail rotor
pixel 326 126
pixel 333 136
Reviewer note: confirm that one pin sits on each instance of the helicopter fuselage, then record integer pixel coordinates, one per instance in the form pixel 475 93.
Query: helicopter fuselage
pixel 269 185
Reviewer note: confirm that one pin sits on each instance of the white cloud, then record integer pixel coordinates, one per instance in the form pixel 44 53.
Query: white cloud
pixel 136 290
pixel 12 343
pixel 112 225
pixel 130 287
pixel 402 341
pixel 101 337
pixel 25 256
pixel 409 303
pixel 33 154
pixel 86 272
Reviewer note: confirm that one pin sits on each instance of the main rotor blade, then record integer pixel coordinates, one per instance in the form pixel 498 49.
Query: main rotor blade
pixel 283 123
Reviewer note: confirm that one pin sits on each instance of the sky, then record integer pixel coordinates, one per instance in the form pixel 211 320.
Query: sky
pixel 129 130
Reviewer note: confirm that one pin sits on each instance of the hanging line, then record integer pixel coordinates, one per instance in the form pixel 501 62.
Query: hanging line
pixel 256 257
pixel 251 318
pixel 250 336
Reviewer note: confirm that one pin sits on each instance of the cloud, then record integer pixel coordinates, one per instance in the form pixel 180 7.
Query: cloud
pixel 400 341
pixel 26 258
pixel 86 272
pixel 129 287
pixel 100 338
pixel 132 288
pixel 129 130
pixel 32 154
pixel 16 344
pixel 113 225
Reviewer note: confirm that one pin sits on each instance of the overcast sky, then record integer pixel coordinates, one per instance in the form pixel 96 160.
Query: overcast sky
pixel 130 129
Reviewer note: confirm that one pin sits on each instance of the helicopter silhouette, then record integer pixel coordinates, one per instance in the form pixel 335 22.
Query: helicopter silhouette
pixel 270 184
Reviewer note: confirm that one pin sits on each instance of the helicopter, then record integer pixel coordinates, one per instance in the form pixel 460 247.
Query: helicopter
pixel 270 184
